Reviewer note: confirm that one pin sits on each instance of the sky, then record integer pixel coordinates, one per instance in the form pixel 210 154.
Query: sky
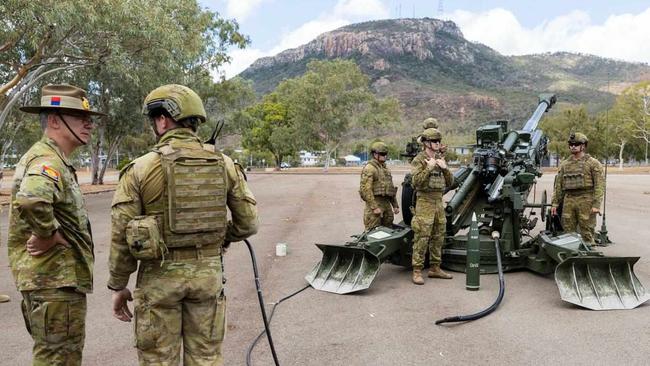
pixel 618 29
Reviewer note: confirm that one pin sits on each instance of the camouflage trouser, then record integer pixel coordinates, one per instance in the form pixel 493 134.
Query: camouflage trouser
pixel 577 216
pixel 428 226
pixel 371 220
pixel 56 320
pixel 180 301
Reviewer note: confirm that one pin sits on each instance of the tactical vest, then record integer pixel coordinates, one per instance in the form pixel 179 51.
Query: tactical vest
pixel 383 185
pixel 436 181
pixel 192 208
pixel 576 175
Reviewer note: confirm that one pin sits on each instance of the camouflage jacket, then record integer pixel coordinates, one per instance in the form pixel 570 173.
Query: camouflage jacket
pixel 376 180
pixel 429 180
pixel 590 175
pixel 142 183
pixel 45 198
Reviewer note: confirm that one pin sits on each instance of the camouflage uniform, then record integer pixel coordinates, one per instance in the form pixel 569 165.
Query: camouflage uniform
pixel 378 191
pixel 429 217
pixel 579 187
pixel 46 198
pixel 179 295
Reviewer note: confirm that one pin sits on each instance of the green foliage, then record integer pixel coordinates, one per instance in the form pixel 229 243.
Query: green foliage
pixel 123 162
pixel 266 126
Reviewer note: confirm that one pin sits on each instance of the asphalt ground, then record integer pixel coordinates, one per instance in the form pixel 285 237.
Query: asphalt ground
pixel 392 323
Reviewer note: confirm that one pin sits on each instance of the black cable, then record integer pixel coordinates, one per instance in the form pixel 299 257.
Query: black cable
pixel 249 351
pixel 261 300
pixel 482 313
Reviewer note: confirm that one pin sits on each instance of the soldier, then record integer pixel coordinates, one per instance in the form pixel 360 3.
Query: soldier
pixel 429 123
pixel 430 177
pixel 377 189
pixel 50 243
pixel 579 188
pixel 169 213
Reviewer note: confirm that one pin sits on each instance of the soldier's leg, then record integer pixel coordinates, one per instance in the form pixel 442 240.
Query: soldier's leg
pixel 437 236
pixel 569 214
pixel 370 219
pixel 56 320
pixel 204 315
pixel 387 217
pixel 437 241
pixel 421 231
pixel 158 312
pixel 586 220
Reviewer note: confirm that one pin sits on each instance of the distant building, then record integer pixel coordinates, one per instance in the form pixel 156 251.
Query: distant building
pixel 313 158
pixel 351 160
pixel 309 158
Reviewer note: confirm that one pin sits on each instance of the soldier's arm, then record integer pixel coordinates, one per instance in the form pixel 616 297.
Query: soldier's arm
pixel 365 187
pixel 242 204
pixel 599 183
pixel 40 188
pixel 125 206
pixel 420 174
pixel 558 192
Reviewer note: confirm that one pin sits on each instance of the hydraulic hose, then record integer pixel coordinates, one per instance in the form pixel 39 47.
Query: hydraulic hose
pixel 249 351
pixel 261 300
pixel 491 308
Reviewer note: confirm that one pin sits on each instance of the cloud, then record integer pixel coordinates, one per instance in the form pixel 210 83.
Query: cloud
pixel 343 13
pixel 623 36
pixel 241 9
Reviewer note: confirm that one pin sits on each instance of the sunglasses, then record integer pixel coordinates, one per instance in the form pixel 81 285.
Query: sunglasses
pixel 433 141
pixel 575 143
pixel 382 153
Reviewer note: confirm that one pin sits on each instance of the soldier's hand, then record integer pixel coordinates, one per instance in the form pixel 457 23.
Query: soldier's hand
pixel 431 163
pixel 395 210
pixel 37 246
pixel 441 163
pixel 595 210
pixel 377 211
pixel 120 308
pixel 554 211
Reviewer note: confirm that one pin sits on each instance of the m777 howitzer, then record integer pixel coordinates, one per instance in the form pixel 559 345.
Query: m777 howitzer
pixel 495 187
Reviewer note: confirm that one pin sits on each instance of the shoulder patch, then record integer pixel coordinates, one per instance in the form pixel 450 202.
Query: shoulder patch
pixel 50 172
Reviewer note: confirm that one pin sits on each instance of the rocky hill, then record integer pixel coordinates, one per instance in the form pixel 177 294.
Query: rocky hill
pixel 432 69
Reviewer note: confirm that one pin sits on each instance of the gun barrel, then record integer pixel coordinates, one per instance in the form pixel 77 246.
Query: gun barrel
pixel 546 101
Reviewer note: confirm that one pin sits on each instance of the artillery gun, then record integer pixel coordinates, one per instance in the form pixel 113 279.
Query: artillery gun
pixel 495 187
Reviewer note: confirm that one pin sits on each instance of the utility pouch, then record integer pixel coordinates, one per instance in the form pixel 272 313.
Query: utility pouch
pixel 144 238
pixel 437 181
pixel 574 181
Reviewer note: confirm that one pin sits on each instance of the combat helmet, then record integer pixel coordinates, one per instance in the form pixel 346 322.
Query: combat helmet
pixel 430 134
pixel 430 123
pixel 577 137
pixel 378 147
pixel 179 101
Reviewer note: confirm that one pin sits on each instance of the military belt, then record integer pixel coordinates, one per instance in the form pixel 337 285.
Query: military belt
pixel 579 192
pixel 193 252
pixel 435 195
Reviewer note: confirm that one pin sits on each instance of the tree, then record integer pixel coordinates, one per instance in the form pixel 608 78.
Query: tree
pixel 329 98
pixel 269 128
pixel 43 38
pixel 126 48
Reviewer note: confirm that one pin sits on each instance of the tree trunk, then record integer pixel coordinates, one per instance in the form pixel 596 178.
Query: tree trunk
pixel 620 155
pixel 112 148
pixel 327 160
pixel 94 158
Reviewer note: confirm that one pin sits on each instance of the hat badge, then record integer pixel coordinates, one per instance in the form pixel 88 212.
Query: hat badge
pixel 85 103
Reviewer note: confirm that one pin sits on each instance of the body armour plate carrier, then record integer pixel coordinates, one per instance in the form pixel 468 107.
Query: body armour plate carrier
pixel 193 205
pixel 577 176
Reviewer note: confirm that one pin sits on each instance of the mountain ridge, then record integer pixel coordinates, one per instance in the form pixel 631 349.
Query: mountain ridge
pixel 430 67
